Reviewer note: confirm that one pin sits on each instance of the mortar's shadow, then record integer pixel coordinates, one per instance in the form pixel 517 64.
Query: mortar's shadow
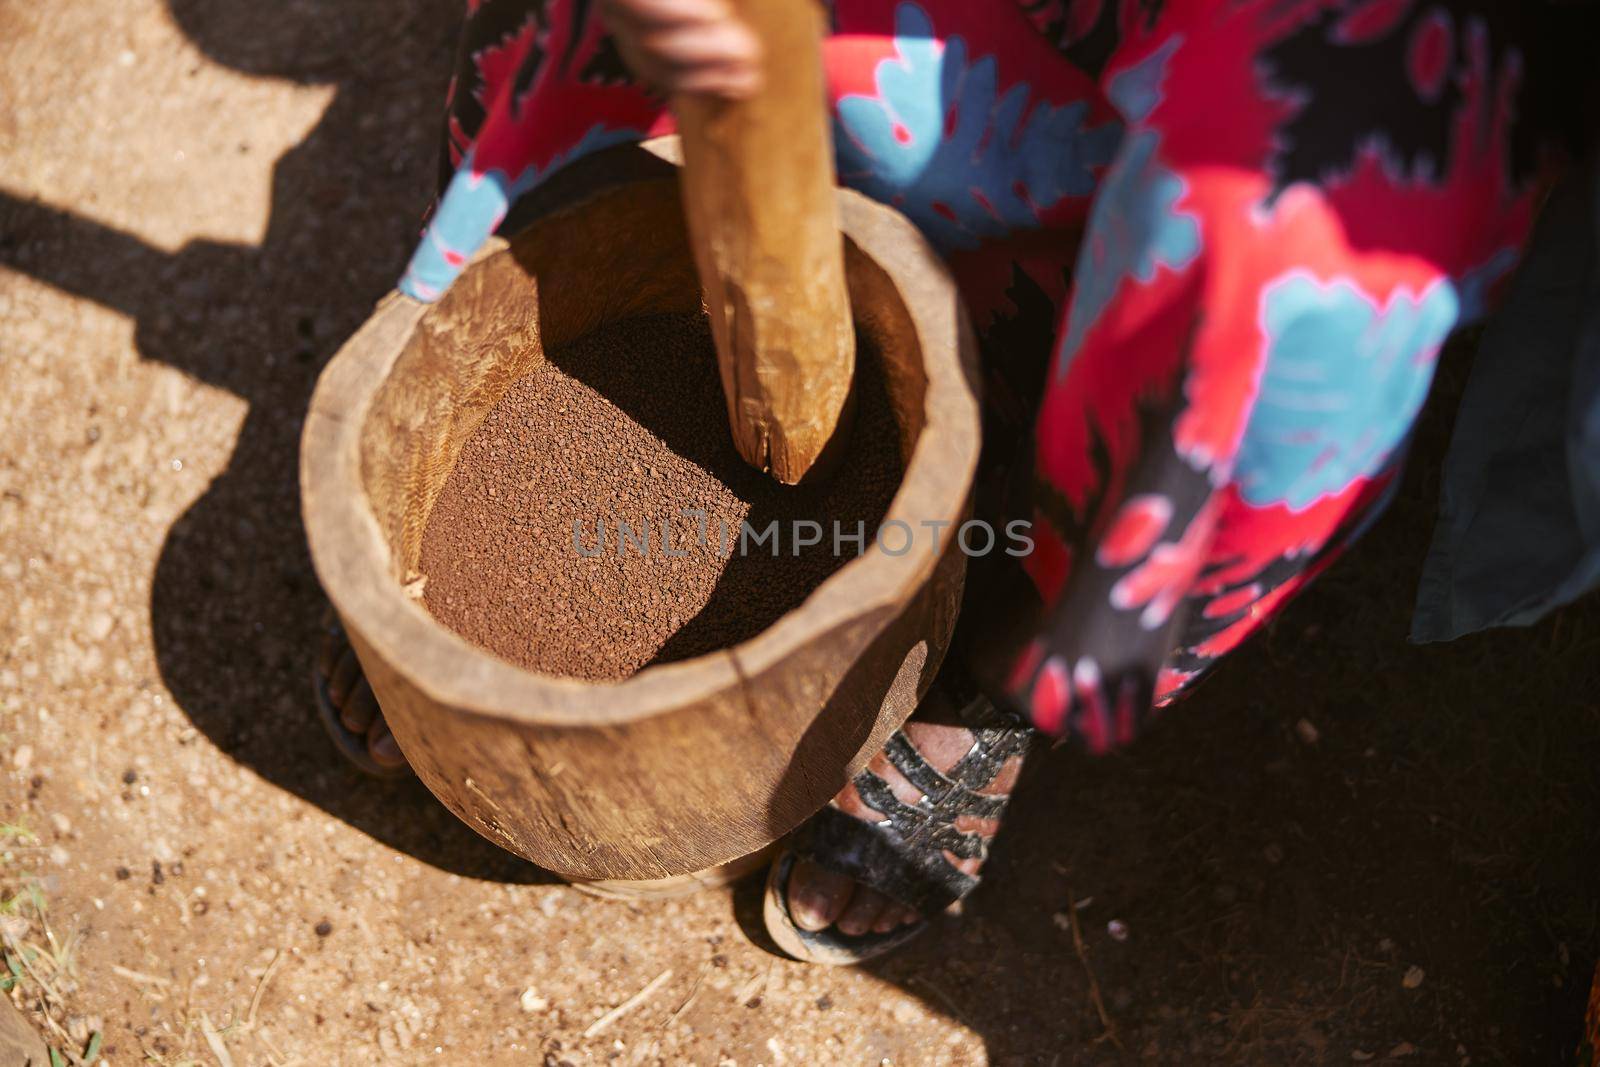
pixel 234 605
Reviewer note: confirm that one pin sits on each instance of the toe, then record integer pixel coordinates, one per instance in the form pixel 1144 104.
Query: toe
pixel 360 712
pixel 346 671
pixel 893 916
pixel 382 747
pixel 863 911
pixel 817 896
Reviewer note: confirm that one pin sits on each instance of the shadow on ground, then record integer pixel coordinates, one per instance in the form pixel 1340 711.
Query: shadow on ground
pixel 235 604
pixel 1334 809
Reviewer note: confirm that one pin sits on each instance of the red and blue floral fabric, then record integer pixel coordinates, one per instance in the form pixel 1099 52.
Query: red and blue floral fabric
pixel 1224 239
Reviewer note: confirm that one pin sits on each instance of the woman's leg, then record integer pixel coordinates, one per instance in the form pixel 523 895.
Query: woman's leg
pixel 967 119
pixel 1257 305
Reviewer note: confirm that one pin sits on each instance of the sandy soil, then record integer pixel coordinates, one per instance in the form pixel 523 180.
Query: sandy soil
pixel 1343 849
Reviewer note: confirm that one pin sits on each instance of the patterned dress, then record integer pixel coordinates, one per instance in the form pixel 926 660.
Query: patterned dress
pixel 1211 249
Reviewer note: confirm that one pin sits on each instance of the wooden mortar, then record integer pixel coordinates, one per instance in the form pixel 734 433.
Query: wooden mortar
pixel 685 765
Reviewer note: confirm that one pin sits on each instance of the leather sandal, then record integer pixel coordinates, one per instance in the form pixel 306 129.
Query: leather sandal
pixel 910 854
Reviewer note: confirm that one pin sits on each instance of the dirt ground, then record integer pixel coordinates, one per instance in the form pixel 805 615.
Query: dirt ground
pixel 1344 848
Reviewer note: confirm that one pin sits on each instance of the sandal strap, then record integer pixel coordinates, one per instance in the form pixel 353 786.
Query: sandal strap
pixel 906 855
pixel 953 799
pixel 875 856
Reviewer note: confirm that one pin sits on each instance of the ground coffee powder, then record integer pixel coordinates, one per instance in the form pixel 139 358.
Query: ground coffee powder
pixel 627 426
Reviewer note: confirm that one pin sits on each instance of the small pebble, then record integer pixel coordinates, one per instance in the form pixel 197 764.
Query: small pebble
pixel 531 1001
pixel 1117 929
pixel 1413 978
pixel 323 928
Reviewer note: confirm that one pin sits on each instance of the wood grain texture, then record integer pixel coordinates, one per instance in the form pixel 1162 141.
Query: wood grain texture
pixel 758 190
pixel 685 765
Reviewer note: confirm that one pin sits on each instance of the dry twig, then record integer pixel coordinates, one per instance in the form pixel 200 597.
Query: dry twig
pixel 261 987
pixel 139 976
pixel 1110 1028
pixel 600 1024
pixel 214 1041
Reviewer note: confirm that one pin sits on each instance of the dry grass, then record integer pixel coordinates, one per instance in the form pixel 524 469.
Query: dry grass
pixel 40 973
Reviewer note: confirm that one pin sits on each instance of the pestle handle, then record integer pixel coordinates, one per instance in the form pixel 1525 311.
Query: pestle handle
pixel 758 191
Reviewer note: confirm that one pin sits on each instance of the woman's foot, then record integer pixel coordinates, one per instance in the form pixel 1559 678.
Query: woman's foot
pixel 905 839
pixel 349 709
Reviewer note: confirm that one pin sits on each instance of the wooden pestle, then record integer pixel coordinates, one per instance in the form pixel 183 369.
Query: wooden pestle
pixel 758 192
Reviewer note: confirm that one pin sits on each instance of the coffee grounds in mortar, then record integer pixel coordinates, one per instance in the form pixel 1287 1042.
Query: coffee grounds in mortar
pixel 628 426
